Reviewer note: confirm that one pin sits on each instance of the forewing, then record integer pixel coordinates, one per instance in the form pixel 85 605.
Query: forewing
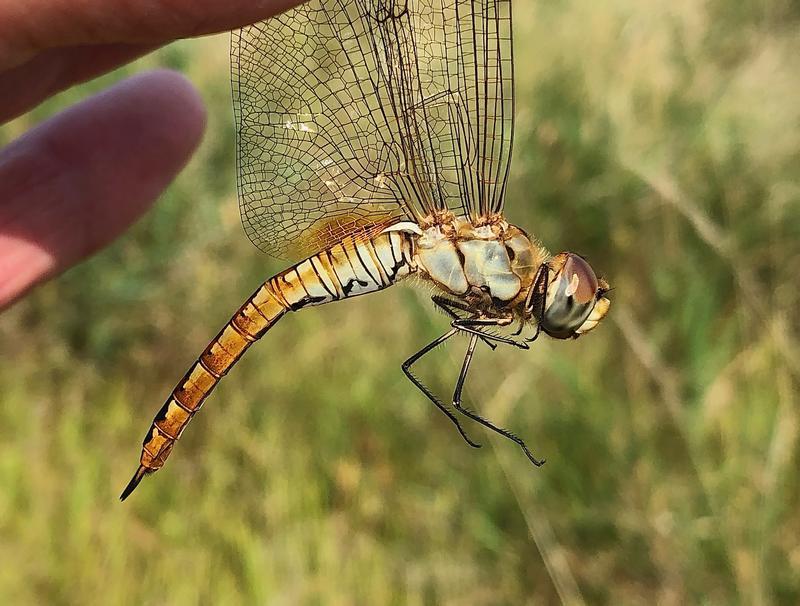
pixel 486 83
pixel 466 63
pixel 448 71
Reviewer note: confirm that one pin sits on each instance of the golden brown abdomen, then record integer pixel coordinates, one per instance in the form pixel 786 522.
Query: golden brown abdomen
pixel 346 269
pixel 253 319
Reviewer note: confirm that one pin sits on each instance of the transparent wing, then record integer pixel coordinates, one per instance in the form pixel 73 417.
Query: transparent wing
pixel 352 114
pixel 464 63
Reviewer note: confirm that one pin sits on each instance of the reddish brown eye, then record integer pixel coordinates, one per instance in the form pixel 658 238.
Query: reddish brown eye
pixel 582 283
pixel 571 295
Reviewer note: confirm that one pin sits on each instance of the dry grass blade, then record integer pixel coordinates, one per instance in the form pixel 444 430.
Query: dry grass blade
pixel 498 407
pixel 725 246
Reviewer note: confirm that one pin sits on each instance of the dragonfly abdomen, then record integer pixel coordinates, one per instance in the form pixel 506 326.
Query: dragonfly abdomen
pixel 346 269
pixel 261 311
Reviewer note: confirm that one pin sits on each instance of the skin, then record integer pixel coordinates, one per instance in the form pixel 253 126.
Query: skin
pixel 72 184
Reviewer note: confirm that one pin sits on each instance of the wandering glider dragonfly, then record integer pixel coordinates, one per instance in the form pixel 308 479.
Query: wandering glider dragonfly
pixel 374 139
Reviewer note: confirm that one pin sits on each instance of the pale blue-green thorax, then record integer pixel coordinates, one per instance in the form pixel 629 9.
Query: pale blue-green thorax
pixel 495 259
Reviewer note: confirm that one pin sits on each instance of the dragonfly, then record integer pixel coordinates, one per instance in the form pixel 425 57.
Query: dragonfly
pixel 374 141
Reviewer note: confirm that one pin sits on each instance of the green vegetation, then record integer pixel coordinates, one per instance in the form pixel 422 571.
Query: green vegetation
pixel 662 141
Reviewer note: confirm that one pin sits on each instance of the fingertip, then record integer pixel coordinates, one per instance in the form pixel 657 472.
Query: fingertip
pixel 166 97
pixel 142 130
pixel 75 182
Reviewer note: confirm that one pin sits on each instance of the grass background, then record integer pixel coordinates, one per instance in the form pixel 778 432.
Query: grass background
pixel 659 139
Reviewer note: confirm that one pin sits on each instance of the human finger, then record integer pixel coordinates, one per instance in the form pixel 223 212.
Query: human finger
pixel 54 70
pixel 75 182
pixel 30 27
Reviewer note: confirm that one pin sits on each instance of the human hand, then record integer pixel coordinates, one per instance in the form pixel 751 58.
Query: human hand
pixel 72 184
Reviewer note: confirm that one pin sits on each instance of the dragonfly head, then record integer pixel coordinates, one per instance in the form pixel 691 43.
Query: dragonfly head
pixel 575 301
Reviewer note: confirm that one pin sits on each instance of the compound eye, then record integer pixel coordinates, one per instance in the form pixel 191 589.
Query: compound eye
pixel 582 283
pixel 571 296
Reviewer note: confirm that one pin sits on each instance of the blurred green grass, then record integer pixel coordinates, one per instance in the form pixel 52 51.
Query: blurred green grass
pixel 658 139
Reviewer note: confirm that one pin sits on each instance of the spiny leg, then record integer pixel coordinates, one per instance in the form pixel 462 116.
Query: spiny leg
pixel 421 386
pixel 476 417
pixel 447 305
pixel 519 330
pixel 540 282
pixel 472 326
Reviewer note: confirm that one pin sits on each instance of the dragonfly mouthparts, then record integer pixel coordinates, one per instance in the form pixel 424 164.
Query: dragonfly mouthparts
pixel 137 477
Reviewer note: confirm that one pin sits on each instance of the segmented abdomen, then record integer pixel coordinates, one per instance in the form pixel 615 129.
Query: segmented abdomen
pixel 347 269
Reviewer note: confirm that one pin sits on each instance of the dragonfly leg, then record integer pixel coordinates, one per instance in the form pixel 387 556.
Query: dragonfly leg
pixel 535 335
pixel 473 325
pixel 421 386
pixel 448 306
pixel 476 417
pixel 540 283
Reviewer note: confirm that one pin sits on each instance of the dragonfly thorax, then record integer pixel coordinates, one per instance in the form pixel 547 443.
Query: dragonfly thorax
pixel 492 264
